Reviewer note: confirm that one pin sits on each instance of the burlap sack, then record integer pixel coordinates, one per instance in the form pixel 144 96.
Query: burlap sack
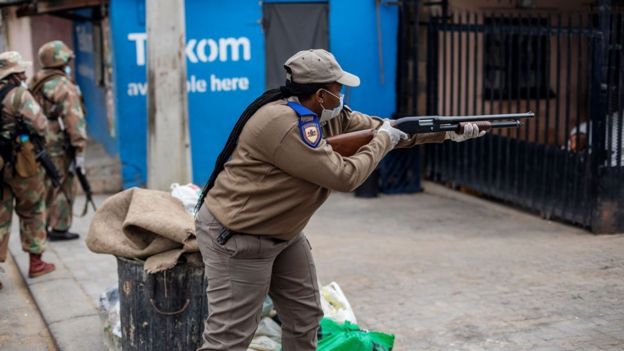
pixel 144 224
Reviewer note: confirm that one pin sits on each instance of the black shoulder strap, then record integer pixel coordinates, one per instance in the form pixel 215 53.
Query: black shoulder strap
pixel 39 84
pixel 5 90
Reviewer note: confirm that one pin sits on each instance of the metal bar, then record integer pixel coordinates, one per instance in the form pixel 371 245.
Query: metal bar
pixel 609 93
pixel 488 141
pixel 445 93
pixel 537 67
pixel 432 76
pixel 509 83
pixel 558 105
pixel 467 148
pixel 475 94
pixel 527 98
pixel 517 173
pixel 587 214
pixel 554 187
pixel 451 157
pixel 547 179
pixel 588 99
pixel 547 85
pixel 459 161
pixel 537 193
pixel 577 173
pixel 496 174
pixel 566 164
pixel 452 71
pixel 482 141
pixel 436 90
pixel 620 93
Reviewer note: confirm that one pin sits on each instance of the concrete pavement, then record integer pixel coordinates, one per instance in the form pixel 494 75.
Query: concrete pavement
pixel 21 326
pixel 67 297
pixel 441 270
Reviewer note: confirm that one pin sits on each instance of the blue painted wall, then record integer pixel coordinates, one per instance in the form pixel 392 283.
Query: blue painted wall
pixel 99 126
pixel 354 42
pixel 213 28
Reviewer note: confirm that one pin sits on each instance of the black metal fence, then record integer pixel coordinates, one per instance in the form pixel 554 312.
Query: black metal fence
pixel 568 162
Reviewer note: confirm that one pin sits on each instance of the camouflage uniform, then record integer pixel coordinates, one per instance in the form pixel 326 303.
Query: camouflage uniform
pixel 61 101
pixel 26 195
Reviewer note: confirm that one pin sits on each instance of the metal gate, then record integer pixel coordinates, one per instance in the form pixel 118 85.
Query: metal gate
pixel 566 69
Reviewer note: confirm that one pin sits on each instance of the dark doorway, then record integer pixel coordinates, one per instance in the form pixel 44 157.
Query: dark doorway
pixel 291 27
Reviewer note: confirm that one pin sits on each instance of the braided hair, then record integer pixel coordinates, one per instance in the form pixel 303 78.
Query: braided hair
pixel 291 88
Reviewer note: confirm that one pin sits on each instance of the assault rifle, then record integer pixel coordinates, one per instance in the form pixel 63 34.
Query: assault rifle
pixel 42 156
pixel 348 144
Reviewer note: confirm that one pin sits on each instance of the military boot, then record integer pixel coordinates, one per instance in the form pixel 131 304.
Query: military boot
pixel 38 267
pixel 58 235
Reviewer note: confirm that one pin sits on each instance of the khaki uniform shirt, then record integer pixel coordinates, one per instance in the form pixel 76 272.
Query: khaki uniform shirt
pixel 274 182
pixel 60 96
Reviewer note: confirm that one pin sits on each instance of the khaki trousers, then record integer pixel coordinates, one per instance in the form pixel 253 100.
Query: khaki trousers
pixel 241 272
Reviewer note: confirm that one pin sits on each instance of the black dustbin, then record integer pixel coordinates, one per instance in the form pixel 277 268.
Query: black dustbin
pixel 163 311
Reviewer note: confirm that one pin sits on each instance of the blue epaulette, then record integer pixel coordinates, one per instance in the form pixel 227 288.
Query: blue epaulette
pixel 309 126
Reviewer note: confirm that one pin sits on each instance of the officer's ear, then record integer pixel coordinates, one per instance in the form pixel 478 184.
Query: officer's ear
pixel 319 96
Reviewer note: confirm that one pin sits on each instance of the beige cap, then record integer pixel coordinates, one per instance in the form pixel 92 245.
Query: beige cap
pixel 318 66
pixel 12 62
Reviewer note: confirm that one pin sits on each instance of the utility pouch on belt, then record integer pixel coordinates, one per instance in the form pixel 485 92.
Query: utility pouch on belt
pixel 224 235
pixel 25 162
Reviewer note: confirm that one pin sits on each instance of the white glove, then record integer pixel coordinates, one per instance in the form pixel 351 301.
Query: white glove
pixel 395 134
pixel 471 130
pixel 79 161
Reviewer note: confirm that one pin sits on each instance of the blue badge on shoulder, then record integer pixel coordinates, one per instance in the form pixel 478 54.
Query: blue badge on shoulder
pixel 309 126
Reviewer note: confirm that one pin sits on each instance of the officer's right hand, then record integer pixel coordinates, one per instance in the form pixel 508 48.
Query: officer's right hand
pixel 395 134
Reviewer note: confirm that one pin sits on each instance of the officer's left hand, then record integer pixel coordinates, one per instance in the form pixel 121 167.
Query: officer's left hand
pixel 471 130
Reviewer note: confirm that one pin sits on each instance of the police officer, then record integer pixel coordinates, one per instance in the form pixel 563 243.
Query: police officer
pixel 61 101
pixel 22 184
pixel 275 171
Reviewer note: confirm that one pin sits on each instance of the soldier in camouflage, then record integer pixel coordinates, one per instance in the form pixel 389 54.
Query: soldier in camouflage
pixel 22 184
pixel 61 101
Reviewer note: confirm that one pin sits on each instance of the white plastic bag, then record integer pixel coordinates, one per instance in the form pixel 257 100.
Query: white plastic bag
pixel 335 304
pixel 263 343
pixel 267 308
pixel 108 310
pixel 188 194
pixel 268 336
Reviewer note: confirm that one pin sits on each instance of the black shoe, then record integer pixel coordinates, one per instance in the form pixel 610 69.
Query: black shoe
pixel 58 235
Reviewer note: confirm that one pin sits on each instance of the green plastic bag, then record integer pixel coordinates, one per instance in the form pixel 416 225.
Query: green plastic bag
pixel 349 337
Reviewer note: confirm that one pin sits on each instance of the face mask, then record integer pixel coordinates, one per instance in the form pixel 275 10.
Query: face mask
pixel 67 70
pixel 326 115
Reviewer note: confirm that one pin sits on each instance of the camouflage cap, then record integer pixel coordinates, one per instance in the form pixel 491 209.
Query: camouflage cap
pixel 12 62
pixel 54 54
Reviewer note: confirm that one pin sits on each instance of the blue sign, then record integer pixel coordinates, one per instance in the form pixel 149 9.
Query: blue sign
pixel 225 70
